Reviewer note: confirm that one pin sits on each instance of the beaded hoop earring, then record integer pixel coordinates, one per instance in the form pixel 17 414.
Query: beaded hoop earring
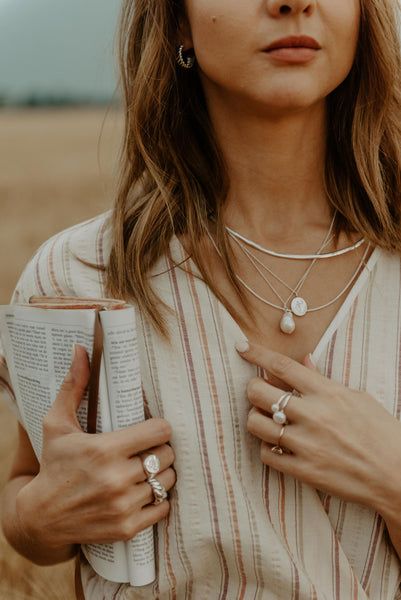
pixel 187 63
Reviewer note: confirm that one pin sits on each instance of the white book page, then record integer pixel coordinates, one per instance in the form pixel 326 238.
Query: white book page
pixel 108 560
pixel 126 406
pixel 38 345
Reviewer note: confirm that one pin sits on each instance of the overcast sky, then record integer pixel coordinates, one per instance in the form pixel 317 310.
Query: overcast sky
pixel 57 47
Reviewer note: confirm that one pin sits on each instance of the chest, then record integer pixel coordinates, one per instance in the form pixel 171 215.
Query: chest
pixel 360 346
pixel 267 303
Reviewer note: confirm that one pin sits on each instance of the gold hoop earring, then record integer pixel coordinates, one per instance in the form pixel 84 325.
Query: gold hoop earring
pixel 187 63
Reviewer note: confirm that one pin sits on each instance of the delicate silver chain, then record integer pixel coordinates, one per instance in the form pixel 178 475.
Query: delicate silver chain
pixel 238 236
pixel 294 291
pixel 284 309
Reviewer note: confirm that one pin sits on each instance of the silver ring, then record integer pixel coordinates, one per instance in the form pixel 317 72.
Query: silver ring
pixel 151 466
pixel 159 491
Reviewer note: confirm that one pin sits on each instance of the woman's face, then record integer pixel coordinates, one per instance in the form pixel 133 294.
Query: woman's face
pixel 270 54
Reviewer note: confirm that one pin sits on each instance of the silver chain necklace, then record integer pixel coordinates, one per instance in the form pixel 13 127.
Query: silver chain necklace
pixel 299 306
pixel 256 246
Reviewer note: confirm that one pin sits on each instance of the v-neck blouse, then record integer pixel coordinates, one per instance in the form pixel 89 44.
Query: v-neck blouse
pixel 236 529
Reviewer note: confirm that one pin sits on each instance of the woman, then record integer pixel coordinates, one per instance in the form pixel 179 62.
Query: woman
pixel 260 136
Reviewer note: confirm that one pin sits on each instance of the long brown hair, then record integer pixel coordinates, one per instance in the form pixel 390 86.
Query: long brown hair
pixel 173 179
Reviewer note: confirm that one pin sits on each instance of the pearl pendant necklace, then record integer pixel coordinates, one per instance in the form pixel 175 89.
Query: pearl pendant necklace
pixel 299 308
pixel 298 305
pixel 295 304
pixel 287 323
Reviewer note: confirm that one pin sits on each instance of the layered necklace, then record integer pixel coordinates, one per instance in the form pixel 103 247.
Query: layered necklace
pixel 294 304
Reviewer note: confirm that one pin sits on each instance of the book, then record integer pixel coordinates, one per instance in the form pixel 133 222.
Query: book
pixel 38 339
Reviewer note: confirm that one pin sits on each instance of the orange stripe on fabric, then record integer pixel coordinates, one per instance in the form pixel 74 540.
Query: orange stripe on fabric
pixel 191 371
pixel 347 362
pixel 170 569
pixel 283 527
pixel 52 271
pixel 37 275
pixel 213 387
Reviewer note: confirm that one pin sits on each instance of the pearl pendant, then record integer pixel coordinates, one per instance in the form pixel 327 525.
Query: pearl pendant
pixel 287 323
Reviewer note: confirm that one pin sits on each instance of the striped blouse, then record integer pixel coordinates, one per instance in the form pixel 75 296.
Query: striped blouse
pixel 238 530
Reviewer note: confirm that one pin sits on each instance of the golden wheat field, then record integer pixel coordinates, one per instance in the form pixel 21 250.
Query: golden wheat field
pixel 56 168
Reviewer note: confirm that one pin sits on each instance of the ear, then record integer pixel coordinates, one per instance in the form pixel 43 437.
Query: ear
pixel 184 32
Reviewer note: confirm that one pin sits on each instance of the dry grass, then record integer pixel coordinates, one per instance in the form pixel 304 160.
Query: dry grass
pixel 57 169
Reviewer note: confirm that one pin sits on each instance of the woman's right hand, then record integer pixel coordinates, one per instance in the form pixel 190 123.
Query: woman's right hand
pixel 91 488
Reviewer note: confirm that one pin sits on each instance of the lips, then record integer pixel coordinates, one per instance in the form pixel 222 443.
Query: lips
pixel 294 41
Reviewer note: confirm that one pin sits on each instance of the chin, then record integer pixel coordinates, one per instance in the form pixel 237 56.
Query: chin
pixel 291 103
pixel 293 98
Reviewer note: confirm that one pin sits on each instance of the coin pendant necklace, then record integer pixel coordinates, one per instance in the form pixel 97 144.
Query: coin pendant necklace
pixel 294 305
pixel 298 306
pixel 287 322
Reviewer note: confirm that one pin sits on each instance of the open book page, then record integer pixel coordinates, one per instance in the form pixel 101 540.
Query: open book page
pixel 123 382
pixel 38 344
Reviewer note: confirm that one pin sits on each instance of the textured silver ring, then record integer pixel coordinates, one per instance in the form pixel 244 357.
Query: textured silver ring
pixel 159 491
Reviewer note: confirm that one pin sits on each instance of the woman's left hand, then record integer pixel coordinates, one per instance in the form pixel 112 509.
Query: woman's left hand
pixel 340 441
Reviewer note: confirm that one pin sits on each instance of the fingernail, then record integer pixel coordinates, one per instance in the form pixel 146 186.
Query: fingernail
pixel 73 352
pixel 242 346
pixel 312 360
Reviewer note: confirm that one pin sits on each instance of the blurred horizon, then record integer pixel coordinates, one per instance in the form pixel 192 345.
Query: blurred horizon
pixel 54 52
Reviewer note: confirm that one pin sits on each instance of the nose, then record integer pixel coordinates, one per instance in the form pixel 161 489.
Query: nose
pixel 279 8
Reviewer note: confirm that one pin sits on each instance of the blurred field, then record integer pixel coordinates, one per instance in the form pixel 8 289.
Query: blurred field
pixel 56 169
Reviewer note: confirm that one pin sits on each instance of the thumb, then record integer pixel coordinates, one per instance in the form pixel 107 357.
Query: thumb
pixel 66 404
pixel 309 362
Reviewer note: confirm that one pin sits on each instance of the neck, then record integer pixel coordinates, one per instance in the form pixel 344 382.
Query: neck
pixel 276 171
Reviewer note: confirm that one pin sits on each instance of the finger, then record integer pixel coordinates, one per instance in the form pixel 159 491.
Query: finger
pixel 284 368
pixel 144 490
pixel 264 428
pixel 141 437
pixel 286 462
pixel 263 396
pixel 66 404
pixel 137 521
pixel 153 513
pixel 309 362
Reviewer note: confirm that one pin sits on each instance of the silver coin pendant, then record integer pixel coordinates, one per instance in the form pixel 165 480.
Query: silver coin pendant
pixel 299 306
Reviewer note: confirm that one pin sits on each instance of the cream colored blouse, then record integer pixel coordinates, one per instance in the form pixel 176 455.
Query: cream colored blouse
pixel 238 530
